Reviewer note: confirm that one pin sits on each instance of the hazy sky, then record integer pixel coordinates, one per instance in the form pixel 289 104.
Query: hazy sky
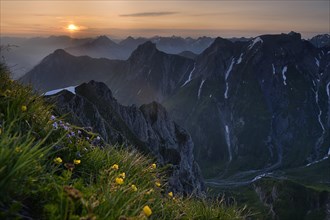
pixel 148 18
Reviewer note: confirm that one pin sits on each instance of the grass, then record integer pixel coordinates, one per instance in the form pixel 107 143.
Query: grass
pixel 53 170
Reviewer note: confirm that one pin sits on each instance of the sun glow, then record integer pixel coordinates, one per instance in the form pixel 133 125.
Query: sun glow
pixel 72 27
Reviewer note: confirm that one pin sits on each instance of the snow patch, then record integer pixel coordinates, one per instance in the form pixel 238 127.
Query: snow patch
pixel 226 77
pixel 228 142
pixel 318 161
pixel 230 68
pixel 258 177
pixel 138 92
pixel 71 89
pixel 200 88
pixel 226 92
pixel 283 74
pixel 240 59
pixel 274 71
pixel 320 111
pixel 328 90
pixel 190 75
pixel 256 40
pixel 317 62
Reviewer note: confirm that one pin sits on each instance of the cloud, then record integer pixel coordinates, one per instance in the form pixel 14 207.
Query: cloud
pixel 149 14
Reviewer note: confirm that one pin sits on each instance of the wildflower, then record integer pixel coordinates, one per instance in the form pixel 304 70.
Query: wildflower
pixel 58 160
pixel 153 166
pixel 157 184
pixel 69 166
pixel 76 161
pixel 24 108
pixel 18 149
pixel 72 192
pixel 79 132
pixel 147 211
pixel 55 125
pixel 98 138
pixel 122 175
pixel 170 194
pixel 115 167
pixel 52 117
pixel 133 187
pixel 7 92
pixel 149 191
pixel 119 181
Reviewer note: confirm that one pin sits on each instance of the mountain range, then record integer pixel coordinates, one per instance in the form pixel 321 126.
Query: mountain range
pixel 231 92
pixel 255 109
pixel 22 54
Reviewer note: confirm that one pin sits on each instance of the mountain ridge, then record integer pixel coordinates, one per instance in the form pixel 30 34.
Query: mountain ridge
pixel 148 128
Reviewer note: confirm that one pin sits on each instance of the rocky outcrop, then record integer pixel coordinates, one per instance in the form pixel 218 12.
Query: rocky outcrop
pixel 147 128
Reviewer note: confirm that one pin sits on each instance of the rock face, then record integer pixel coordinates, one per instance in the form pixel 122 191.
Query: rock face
pixel 147 128
pixel 257 105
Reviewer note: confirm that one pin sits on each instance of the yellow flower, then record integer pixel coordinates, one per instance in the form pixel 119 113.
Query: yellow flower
pixel 115 167
pixel 58 160
pixel 24 108
pixel 147 211
pixel 119 181
pixel 133 187
pixel 150 191
pixel 170 194
pixel 122 175
pixel 76 162
pixel 157 184
pixel 153 166
pixel 18 149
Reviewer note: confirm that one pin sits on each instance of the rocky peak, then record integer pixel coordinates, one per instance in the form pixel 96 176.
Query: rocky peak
pixel 102 41
pixel 144 51
pixel 93 88
pixel 60 52
pixel 321 40
pixel 219 45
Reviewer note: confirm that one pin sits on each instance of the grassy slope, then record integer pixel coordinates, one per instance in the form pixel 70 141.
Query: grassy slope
pixel 35 183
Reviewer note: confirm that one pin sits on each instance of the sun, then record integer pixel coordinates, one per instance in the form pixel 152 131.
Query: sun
pixel 72 27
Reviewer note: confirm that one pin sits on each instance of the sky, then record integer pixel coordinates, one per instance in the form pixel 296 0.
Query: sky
pixel 119 19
